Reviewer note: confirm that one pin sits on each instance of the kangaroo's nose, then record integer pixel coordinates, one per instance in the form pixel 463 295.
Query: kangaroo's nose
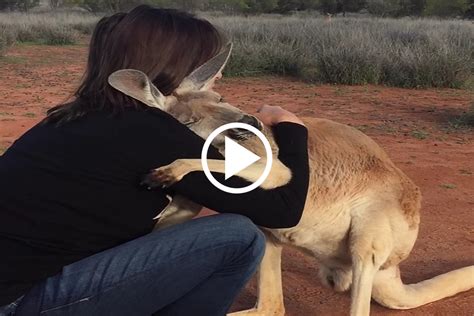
pixel 251 120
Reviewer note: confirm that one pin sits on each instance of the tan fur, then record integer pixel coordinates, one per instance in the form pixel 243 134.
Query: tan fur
pixel 361 215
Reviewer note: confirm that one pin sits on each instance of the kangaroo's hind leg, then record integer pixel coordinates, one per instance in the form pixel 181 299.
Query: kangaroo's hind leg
pixel 270 288
pixel 370 246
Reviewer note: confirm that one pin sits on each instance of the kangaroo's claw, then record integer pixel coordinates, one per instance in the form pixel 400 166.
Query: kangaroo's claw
pixel 161 177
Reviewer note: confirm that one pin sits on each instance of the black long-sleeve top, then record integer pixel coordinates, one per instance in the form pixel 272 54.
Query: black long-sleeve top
pixel 69 191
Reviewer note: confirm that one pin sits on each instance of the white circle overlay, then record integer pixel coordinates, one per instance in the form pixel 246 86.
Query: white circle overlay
pixel 248 188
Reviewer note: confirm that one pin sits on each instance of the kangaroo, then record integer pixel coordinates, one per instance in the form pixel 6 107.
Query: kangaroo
pixel 361 215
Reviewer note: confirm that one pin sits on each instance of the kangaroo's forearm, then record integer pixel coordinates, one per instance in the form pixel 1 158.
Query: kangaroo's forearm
pixel 279 175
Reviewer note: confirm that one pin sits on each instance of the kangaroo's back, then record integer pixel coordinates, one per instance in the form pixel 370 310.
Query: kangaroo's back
pixel 346 163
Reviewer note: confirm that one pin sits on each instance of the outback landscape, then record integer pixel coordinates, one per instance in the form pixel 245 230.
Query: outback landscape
pixel 407 83
pixel 416 127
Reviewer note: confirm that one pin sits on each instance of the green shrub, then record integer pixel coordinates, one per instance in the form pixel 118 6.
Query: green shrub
pixel 59 35
pixel 468 118
pixel 85 28
pixel 397 52
pixel 7 38
pixel 465 120
pixel 27 32
pixel 48 28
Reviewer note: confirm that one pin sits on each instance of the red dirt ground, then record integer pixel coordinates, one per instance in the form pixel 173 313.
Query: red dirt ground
pixel 412 125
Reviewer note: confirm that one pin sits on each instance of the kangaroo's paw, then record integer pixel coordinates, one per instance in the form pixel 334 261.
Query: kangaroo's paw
pixel 166 176
pixel 259 312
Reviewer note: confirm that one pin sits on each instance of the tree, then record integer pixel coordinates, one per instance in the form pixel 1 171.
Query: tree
pixel 417 7
pixel 228 5
pixel 26 5
pixel 349 6
pixel 328 6
pixel 105 5
pixel 446 7
pixel 470 10
pixel 298 5
pixel 92 5
pixel 22 5
pixel 188 5
pixel 383 7
pixel 259 6
pixel 8 5
pixel 54 4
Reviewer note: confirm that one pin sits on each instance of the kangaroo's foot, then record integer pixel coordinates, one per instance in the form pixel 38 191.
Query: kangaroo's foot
pixel 260 312
pixel 270 290
pixel 338 279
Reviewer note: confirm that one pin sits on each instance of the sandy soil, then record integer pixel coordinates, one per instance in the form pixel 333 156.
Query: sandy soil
pixel 412 125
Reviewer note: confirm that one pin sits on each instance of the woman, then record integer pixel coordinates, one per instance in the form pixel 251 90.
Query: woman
pixel 75 226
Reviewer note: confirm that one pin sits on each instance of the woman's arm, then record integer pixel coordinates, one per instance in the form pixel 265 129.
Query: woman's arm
pixel 281 207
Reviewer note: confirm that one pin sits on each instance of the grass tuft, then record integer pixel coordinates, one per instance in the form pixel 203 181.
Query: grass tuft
pixel 419 134
pixel 448 186
pixel 465 120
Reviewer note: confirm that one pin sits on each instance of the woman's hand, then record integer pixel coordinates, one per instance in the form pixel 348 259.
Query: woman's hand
pixel 272 115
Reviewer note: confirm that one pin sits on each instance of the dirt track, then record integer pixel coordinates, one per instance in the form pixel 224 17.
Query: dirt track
pixel 412 125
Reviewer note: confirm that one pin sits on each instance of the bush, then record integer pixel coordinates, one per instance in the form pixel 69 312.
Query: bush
pixel 59 35
pixel 48 28
pixel 85 28
pixel 7 38
pixel 404 52
pixel 26 32
pixel 466 120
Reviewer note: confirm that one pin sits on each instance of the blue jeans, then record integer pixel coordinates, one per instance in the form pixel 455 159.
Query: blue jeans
pixel 194 268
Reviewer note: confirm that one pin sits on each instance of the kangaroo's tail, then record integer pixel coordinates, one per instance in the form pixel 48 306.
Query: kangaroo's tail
pixel 389 290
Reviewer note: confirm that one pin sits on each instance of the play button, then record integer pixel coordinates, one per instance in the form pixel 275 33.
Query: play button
pixel 237 158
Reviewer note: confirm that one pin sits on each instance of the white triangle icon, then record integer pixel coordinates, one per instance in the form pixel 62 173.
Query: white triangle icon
pixel 237 158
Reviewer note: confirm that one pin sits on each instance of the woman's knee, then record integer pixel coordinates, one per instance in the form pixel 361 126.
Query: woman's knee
pixel 241 229
pixel 235 223
pixel 233 236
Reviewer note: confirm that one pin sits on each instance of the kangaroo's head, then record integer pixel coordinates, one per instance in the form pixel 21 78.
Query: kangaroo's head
pixel 193 103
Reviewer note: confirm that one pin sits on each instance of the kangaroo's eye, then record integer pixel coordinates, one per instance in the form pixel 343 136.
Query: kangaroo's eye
pixel 221 100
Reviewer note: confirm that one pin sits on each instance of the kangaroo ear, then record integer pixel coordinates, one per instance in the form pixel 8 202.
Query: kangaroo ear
pixel 137 85
pixel 200 78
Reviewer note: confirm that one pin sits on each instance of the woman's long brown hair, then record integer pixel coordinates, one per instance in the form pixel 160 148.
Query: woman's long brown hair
pixel 165 44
